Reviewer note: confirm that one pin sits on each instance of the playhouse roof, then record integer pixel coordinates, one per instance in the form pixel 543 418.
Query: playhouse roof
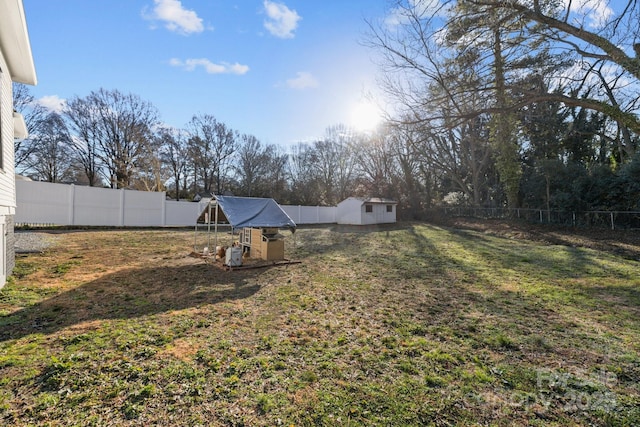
pixel 257 212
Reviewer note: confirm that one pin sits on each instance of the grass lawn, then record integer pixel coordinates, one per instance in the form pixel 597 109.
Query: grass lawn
pixel 411 324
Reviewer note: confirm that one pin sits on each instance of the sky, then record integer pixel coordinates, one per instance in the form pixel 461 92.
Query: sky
pixel 281 70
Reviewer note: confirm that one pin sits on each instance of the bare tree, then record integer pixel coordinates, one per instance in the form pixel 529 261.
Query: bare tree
pixel 211 147
pixel 34 116
pixel 377 164
pixel 277 174
pixel 415 177
pixel 115 128
pixel 174 155
pixel 51 161
pixel 252 166
pixel 150 173
pixel 343 141
pixel 303 175
pixel 82 123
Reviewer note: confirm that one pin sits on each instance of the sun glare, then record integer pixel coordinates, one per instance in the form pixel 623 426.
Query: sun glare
pixel 365 117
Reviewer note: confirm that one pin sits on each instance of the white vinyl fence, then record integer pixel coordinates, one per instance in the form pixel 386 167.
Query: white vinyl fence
pixel 311 214
pixel 44 203
pixel 41 203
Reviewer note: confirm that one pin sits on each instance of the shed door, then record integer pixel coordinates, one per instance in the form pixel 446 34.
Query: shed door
pixel 380 214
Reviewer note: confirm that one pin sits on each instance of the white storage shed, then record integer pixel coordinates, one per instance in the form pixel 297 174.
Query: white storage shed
pixel 364 211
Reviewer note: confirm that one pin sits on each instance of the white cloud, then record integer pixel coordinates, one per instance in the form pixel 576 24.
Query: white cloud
pixel 303 80
pixel 281 21
pixel 210 67
pixel 52 103
pixel 597 12
pixel 176 17
pixel 420 8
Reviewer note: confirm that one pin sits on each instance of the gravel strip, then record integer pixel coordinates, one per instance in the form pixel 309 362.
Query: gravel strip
pixel 32 241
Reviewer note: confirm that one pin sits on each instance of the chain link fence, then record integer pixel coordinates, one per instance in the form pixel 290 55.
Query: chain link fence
pixel 614 220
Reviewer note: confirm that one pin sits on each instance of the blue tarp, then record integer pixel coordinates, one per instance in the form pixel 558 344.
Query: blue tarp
pixel 256 212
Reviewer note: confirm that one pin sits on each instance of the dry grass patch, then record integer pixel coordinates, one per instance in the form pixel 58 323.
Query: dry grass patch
pixel 401 325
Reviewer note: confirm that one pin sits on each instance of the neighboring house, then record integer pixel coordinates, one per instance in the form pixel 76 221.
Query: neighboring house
pixel 363 211
pixel 16 65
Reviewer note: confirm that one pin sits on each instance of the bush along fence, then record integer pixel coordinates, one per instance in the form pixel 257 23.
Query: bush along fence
pixel 614 220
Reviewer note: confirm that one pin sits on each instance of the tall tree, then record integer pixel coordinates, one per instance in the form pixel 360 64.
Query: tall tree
pixel 174 155
pixel 303 176
pixel 261 170
pixel 607 33
pixel 344 142
pixel 252 166
pixel 211 145
pixel 377 164
pixel 34 116
pixel 82 123
pixel 51 161
pixel 123 132
pixel 116 128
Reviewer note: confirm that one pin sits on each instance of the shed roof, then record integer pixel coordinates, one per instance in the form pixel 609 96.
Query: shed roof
pixel 257 212
pixel 374 200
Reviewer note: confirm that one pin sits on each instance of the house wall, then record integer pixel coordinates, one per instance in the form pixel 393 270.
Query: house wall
pixel 7 182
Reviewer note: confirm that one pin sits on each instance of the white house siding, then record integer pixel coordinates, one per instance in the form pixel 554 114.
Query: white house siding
pixel 7 181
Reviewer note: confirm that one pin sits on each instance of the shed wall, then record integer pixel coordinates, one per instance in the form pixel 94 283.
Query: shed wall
pixel 350 211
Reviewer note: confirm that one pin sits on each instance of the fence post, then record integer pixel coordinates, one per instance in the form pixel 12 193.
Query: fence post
pixel 72 204
pixel 612 223
pixel 573 218
pixel 122 207
pixel 541 219
pixel 163 209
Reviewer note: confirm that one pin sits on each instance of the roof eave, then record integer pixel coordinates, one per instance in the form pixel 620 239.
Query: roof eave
pixel 14 42
pixel 19 126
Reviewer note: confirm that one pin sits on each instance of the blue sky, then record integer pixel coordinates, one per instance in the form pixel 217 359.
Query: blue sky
pixel 281 70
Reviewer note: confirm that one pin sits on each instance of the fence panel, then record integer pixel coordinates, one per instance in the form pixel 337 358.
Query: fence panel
pixel 97 207
pixel 43 202
pixel 143 208
pixel 182 213
pixel 311 214
pixel 62 204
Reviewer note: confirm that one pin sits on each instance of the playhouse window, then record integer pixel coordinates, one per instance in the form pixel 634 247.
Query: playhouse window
pixel 368 208
pixel 389 208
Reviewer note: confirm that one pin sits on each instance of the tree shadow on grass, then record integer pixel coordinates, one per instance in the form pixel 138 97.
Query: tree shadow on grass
pixel 129 294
